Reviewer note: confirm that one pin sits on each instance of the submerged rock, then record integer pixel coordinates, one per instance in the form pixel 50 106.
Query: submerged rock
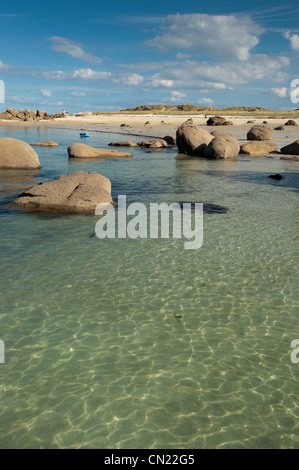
pixel 16 154
pixel 76 193
pixel 50 143
pixel 153 144
pixel 191 139
pixel 123 143
pixel 275 177
pixel 86 151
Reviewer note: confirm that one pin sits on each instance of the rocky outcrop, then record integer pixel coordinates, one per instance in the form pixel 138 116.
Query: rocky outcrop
pixel 49 143
pixel 86 151
pixel 256 148
pixel 26 115
pixel 222 146
pixel 291 122
pixel 259 133
pixel 123 143
pixel 291 149
pixel 76 193
pixel 191 139
pixel 17 154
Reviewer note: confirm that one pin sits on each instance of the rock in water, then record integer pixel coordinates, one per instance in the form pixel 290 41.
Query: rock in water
pixel 17 154
pixel 275 177
pixel 222 146
pixel 49 143
pixel 85 151
pixel 191 139
pixel 76 193
pixel 123 143
pixel 256 148
pixel 291 149
pixel 259 133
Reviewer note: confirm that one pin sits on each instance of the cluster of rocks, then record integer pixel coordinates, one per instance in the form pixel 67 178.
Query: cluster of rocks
pixel 193 140
pixel 81 192
pixel 26 115
pixel 218 121
pixel 165 142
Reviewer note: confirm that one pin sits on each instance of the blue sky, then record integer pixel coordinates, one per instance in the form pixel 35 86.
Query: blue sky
pixel 106 56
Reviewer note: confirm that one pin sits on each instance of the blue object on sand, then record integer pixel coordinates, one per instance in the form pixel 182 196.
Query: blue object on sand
pixel 84 134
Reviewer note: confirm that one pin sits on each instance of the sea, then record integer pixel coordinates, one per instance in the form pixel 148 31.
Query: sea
pixel 140 343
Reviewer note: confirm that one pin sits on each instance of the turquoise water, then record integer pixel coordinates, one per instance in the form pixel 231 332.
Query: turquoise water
pixel 141 343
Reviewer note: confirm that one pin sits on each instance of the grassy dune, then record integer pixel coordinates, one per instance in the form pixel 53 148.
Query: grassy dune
pixel 241 111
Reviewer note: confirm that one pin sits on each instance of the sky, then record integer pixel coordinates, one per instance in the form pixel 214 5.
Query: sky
pixel 112 55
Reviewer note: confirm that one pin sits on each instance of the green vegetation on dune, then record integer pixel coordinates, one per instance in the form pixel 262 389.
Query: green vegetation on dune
pixel 245 111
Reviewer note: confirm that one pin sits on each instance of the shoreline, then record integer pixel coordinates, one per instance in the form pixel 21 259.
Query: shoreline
pixel 159 126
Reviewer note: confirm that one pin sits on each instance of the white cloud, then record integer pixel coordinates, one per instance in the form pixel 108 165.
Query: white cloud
pixel 225 36
pixel 156 82
pixel 78 94
pixel 89 74
pixel 279 92
pixel 177 95
pixel 47 74
pixel 204 101
pixel 73 49
pixel 294 40
pixel 128 79
pixel 204 75
pixel 182 56
pixel 46 93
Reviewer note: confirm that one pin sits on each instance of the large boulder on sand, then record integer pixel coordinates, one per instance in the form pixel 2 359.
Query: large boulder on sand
pixel 255 148
pixel 291 149
pixel 76 193
pixel 191 139
pixel 259 133
pixel 290 122
pixel 17 154
pixel 216 121
pixel 222 146
pixel 85 151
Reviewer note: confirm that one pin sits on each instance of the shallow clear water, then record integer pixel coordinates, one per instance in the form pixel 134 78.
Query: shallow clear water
pixel 141 343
